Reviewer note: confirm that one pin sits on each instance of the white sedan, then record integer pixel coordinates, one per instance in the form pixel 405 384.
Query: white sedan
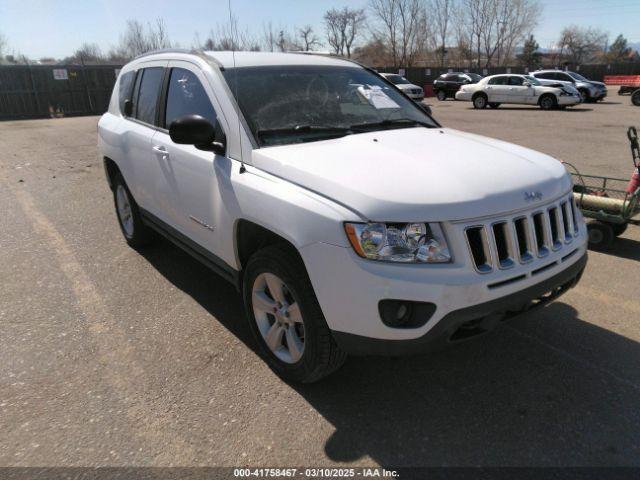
pixel 520 89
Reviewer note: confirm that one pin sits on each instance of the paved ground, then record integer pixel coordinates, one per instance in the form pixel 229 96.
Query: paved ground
pixel 110 357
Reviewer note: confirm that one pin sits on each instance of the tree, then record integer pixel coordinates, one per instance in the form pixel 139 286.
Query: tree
pixel 495 27
pixel 137 39
pixel 343 28
pixel 400 24
pixel 87 53
pixel 618 51
pixel 227 37
pixel 3 44
pixel 441 13
pixel 530 55
pixel 580 44
pixel 309 39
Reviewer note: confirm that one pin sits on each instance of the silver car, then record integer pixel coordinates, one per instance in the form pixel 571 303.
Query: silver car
pixel 409 89
pixel 590 91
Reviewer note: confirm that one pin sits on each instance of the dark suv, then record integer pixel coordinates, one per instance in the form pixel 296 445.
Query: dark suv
pixel 447 84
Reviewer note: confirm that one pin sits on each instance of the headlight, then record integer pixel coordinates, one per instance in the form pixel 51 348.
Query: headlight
pixel 399 242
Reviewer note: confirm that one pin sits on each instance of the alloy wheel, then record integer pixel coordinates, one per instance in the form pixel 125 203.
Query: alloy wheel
pixel 124 210
pixel 278 317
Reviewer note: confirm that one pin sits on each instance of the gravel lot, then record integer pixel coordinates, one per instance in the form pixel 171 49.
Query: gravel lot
pixel 112 357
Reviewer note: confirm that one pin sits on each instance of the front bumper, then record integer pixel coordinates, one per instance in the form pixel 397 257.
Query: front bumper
pixel 464 323
pixel 569 99
pixel 415 96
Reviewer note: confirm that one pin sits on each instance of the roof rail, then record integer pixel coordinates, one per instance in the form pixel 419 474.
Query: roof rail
pixel 193 51
pixel 165 50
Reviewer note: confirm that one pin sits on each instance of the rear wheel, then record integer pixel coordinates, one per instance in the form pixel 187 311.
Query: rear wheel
pixel 135 232
pixel 547 102
pixel 584 94
pixel 600 235
pixel 441 95
pixel 285 317
pixel 635 98
pixel 494 105
pixel 480 101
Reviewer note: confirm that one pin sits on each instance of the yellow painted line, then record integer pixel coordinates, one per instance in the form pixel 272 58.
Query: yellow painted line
pixel 120 368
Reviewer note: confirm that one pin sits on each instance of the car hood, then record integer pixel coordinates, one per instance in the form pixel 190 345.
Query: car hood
pixel 597 84
pixel 407 86
pixel 418 174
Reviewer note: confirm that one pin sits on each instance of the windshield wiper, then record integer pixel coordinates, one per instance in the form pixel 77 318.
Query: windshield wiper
pixel 304 129
pixel 398 122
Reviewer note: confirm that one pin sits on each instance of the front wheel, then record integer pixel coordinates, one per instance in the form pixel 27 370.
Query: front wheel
pixel 635 98
pixel 286 319
pixel 480 102
pixel 441 95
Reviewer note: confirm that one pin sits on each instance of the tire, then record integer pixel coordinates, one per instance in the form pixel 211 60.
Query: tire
pixel 480 101
pixel 494 105
pixel 635 98
pixel 600 235
pixel 316 354
pixel 619 228
pixel 584 94
pixel 135 232
pixel 441 95
pixel 548 101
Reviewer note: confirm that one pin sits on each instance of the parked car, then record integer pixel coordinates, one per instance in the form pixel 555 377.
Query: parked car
pixel 519 89
pixel 348 218
pixel 590 90
pixel 409 89
pixel 447 84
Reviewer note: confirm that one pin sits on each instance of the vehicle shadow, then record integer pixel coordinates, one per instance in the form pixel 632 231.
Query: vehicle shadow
pixel 545 389
pixel 625 248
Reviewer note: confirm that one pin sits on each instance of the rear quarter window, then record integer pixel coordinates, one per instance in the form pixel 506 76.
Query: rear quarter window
pixel 125 87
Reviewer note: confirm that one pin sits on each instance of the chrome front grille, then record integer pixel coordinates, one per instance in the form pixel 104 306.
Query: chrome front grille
pixel 503 243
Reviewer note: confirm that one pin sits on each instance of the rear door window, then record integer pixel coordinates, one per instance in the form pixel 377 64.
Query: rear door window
pixel 498 81
pixel 150 85
pixel 187 96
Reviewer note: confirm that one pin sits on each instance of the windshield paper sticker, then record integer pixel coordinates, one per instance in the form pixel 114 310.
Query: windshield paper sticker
pixel 376 97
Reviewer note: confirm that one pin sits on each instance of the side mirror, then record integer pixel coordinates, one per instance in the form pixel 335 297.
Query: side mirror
pixel 526 84
pixel 198 131
pixel 128 108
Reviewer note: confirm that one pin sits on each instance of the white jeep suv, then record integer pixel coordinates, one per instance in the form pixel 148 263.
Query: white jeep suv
pixel 350 220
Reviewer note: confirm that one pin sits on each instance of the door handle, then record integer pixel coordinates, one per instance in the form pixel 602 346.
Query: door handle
pixel 160 150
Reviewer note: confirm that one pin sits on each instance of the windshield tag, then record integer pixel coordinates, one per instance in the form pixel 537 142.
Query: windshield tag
pixel 376 97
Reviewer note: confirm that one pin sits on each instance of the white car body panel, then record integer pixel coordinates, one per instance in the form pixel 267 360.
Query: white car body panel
pixel 305 192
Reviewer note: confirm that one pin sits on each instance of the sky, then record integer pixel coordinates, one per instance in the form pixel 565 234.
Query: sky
pixel 55 28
